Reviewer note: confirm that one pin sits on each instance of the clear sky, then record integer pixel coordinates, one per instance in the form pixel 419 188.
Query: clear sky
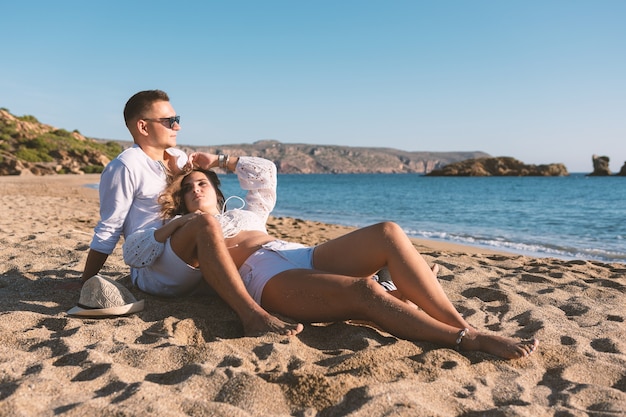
pixel 540 80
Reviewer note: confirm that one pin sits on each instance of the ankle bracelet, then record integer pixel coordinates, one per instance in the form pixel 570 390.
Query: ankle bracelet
pixel 462 334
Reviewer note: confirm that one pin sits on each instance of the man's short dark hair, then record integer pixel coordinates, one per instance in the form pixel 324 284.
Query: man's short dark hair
pixel 139 104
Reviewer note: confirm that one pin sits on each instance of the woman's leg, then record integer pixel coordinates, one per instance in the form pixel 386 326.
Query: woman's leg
pixel 200 241
pixel 316 296
pixel 362 252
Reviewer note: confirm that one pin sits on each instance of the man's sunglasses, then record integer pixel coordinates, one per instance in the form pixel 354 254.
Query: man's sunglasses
pixel 170 121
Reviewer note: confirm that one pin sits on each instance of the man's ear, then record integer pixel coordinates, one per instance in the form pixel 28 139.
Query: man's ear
pixel 142 127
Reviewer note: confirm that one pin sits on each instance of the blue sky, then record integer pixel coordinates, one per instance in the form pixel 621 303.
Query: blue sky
pixel 541 81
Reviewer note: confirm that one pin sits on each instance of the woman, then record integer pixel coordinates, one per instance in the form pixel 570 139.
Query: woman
pixel 329 282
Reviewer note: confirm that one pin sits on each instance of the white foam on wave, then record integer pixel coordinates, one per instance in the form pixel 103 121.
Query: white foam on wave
pixel 539 250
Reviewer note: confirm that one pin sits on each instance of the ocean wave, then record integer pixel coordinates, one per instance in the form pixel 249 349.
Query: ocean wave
pixel 535 249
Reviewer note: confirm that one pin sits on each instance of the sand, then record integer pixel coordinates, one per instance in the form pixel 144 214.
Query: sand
pixel 187 356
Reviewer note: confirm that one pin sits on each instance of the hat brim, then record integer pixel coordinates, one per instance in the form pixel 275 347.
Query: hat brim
pixel 107 312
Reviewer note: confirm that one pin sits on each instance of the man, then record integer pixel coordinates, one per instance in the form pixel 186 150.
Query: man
pixel 129 189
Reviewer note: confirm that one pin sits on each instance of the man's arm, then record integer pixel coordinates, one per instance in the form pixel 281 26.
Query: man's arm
pixel 116 197
pixel 95 261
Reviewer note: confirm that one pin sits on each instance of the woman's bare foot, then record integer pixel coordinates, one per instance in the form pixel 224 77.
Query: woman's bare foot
pixel 435 269
pixel 502 347
pixel 259 325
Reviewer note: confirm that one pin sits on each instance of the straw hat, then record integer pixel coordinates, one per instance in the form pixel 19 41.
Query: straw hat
pixel 101 297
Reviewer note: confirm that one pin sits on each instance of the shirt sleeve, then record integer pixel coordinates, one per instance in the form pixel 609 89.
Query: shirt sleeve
pixel 141 249
pixel 116 198
pixel 258 177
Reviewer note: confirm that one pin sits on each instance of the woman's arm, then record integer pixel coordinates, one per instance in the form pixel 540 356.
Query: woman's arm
pixel 162 233
pixel 143 247
pixel 206 160
pixel 256 175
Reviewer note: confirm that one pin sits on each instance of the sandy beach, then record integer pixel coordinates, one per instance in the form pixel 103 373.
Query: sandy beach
pixel 187 356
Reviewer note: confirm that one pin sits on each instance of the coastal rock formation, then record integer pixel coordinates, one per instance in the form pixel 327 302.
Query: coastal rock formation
pixel 500 166
pixel 28 147
pixel 622 172
pixel 600 166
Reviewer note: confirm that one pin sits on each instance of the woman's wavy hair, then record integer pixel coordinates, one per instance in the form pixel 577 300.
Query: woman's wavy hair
pixel 172 199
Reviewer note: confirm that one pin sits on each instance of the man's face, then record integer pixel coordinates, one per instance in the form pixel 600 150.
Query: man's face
pixel 161 132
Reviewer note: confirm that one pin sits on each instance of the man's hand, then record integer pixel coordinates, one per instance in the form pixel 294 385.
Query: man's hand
pixel 202 160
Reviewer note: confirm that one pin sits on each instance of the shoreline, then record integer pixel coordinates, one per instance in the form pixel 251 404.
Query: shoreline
pixel 82 184
pixel 188 355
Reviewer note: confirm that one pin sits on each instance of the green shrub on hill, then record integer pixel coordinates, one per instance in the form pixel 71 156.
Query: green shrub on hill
pixel 111 149
pixel 32 155
pixel 93 169
pixel 28 118
pixel 24 138
pixel 42 147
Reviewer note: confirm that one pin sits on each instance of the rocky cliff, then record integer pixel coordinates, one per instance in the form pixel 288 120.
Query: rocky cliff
pixel 500 166
pixel 29 147
pixel 601 167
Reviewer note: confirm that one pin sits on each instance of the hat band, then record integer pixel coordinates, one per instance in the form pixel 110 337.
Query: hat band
pixel 86 307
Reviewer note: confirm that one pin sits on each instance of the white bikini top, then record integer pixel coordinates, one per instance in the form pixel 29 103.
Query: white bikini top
pixel 235 220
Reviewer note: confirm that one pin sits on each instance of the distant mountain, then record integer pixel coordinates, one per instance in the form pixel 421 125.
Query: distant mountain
pixel 298 158
pixel 30 147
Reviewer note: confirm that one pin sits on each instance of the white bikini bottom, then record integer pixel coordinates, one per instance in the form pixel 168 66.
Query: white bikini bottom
pixel 271 259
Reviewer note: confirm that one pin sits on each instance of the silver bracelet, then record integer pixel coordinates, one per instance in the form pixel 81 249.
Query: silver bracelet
pixel 462 334
pixel 222 161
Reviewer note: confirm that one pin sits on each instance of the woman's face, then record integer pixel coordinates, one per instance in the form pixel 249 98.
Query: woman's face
pixel 199 194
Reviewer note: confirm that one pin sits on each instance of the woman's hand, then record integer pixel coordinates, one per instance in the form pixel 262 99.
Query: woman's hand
pixel 203 160
pixel 182 220
pixel 172 164
pixel 165 231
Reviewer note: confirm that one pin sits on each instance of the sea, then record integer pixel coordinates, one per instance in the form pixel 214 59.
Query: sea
pixel 572 217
